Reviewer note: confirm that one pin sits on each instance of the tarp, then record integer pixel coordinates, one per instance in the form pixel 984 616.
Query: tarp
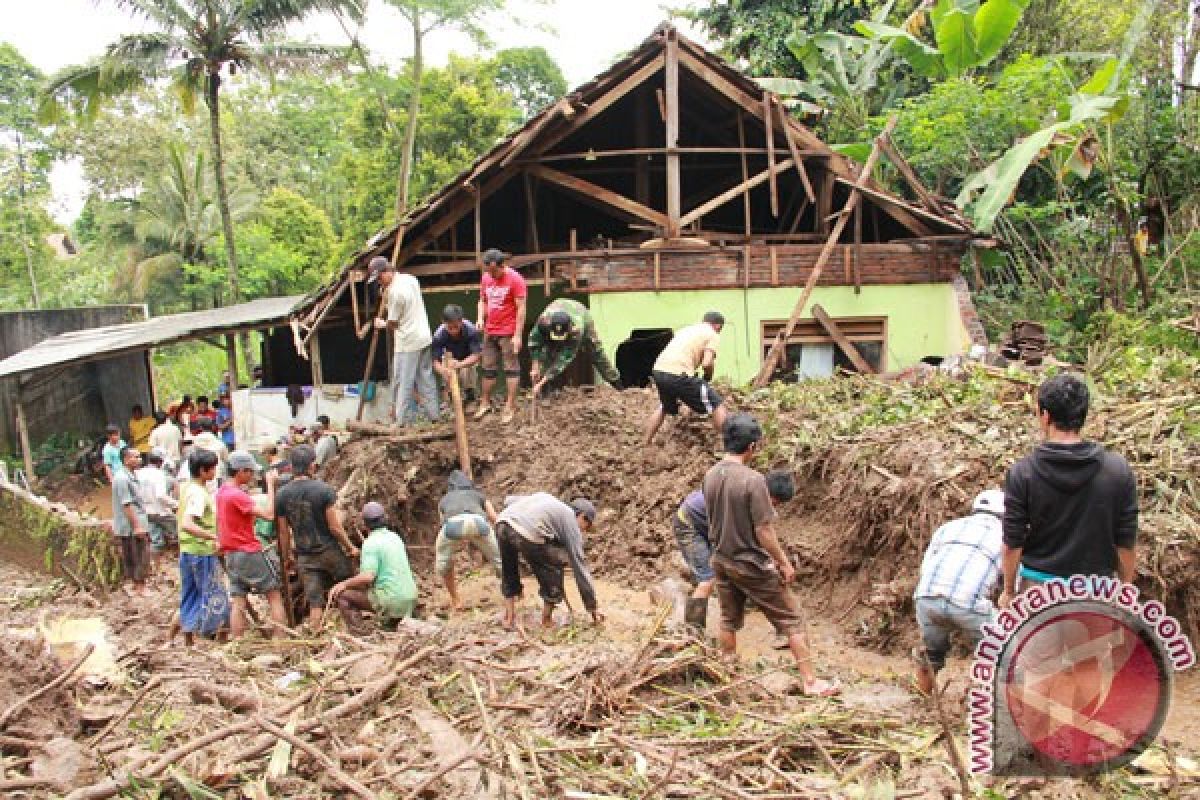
pixel 94 344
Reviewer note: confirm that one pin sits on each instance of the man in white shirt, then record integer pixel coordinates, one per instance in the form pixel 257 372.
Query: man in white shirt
pixel 207 440
pixel 412 362
pixel 959 574
pixel 155 486
pixel 167 437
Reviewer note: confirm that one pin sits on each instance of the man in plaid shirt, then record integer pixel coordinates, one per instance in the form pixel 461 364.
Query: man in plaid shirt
pixel 958 577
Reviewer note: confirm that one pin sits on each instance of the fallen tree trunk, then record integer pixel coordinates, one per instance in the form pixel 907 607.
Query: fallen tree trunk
pixel 397 435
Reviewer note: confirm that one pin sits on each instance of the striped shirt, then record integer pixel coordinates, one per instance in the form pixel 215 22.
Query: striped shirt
pixel 962 563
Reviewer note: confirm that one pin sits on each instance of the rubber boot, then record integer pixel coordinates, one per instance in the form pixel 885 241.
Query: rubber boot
pixel 696 614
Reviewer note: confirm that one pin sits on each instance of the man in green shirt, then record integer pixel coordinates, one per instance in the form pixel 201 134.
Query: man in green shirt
pixel 384 583
pixel 564 329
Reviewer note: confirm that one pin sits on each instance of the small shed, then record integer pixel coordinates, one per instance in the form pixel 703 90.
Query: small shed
pixel 71 398
pixel 112 363
pixel 669 185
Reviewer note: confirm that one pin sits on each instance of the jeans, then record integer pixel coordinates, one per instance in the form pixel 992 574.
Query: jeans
pixel 414 370
pixel 938 618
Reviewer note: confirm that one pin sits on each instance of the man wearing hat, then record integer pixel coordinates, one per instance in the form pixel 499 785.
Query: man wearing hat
pixel 562 330
pixel 251 569
pixel 549 534
pixel 502 320
pixel 412 360
pixel 959 574
pixel 384 583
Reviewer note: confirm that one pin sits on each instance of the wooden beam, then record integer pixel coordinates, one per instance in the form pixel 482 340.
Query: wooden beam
pixel 728 195
pixel 790 135
pixel 674 223
pixel 777 347
pixel 593 155
pixel 526 137
pixel 231 360
pixel 909 216
pixel 858 231
pixel 602 103
pixel 478 227
pixel 906 171
pixel 23 436
pixel 843 343
pixel 599 193
pixel 741 129
pixel 454 213
pixel 767 114
pixel 641 136
pixel 774 265
pixel 657 270
pixel 318 367
pixel 153 384
pixel 531 231
pixel 825 200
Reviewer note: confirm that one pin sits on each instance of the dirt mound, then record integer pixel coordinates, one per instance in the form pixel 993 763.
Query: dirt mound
pixel 585 443
pixel 25 666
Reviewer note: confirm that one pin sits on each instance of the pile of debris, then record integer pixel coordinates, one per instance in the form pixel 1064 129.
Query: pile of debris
pixel 889 463
pixel 1026 342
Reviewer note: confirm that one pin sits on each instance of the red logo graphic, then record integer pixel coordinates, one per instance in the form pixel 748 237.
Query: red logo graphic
pixel 1086 688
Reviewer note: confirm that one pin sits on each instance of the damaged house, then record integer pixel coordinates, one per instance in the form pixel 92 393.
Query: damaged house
pixel 667 186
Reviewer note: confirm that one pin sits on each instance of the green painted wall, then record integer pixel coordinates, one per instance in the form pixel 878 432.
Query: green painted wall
pixel 922 319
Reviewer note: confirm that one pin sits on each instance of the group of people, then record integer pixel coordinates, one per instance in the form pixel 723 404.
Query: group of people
pixel 492 343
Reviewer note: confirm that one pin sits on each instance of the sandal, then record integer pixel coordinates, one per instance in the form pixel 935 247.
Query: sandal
pixel 484 408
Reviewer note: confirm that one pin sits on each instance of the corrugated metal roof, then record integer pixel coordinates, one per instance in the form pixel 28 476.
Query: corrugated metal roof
pixel 93 344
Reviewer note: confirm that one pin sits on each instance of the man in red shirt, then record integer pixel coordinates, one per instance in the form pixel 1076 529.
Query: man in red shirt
pixel 502 320
pixel 251 569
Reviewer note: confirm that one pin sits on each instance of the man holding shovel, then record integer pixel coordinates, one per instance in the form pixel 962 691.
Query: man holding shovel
pixel 563 330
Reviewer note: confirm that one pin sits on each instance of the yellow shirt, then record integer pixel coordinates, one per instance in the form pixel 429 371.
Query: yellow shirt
pixel 686 349
pixel 139 432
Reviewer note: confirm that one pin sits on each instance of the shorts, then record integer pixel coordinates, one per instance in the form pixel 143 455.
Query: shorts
pixel 697 551
pixel 546 561
pixel 498 350
pixel 471 528
pixel 320 571
pixel 763 587
pixel 937 618
pixel 135 556
pixel 163 532
pixel 693 392
pixel 253 573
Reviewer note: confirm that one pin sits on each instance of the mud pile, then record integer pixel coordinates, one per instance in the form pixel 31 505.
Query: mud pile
pixel 584 443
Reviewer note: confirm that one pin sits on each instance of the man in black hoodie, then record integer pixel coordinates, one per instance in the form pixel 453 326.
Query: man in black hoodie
pixel 1070 507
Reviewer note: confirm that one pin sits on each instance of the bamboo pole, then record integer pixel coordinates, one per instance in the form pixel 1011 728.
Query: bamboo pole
pixel 460 422
pixel 768 367
pixel 362 390
pixel 23 434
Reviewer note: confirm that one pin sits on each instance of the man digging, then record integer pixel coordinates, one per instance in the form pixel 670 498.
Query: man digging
pixel 748 561
pixel 691 349
pixel 384 583
pixel 467 517
pixel 549 534
pixel 562 332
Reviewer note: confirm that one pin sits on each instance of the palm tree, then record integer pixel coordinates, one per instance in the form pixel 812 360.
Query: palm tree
pixel 177 221
pixel 197 40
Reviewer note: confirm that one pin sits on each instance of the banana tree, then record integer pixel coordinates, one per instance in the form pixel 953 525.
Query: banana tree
pixel 967 35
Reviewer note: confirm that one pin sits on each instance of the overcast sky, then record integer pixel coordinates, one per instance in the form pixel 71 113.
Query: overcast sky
pixel 583 36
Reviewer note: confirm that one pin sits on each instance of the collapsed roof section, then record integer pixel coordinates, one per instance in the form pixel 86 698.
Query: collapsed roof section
pixel 671 145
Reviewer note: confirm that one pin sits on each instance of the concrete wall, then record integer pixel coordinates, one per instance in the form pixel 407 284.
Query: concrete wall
pixel 80 399
pixel 922 319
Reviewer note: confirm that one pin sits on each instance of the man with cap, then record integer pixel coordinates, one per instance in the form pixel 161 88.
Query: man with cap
pixel 562 330
pixel 384 583
pixel 501 317
pixel 549 534
pixel 457 346
pixel 467 517
pixel 691 349
pixel 747 559
pixel 412 360
pixel 959 573
pixel 251 569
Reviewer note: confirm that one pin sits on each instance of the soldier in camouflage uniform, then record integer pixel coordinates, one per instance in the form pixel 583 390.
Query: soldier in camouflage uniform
pixel 563 329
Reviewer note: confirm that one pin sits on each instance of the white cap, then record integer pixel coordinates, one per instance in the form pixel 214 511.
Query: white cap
pixel 990 501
